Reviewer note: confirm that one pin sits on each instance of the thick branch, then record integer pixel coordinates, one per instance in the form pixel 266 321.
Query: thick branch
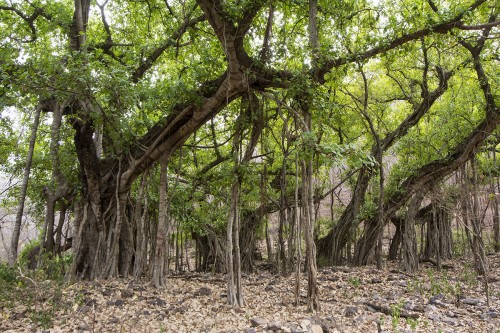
pixel 139 72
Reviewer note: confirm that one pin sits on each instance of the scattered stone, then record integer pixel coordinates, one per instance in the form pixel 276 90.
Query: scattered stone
pixel 90 301
pixel 19 316
pixel 305 323
pixel 127 293
pixel 359 320
pixel 470 301
pixel 118 302
pixel 84 309
pixel 434 316
pixel 430 308
pixel 204 291
pixel 436 299
pixel 269 288
pixel 84 327
pixel 274 326
pixel 450 314
pixel 315 329
pixel 351 311
pixel 451 321
pixel 418 308
pixel 291 327
pixel 107 292
pixel 489 314
pixel 258 321
pixel 157 301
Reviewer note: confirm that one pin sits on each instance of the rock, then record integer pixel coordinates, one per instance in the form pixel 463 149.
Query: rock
pixel 19 316
pixel 376 280
pixel 315 329
pixel 127 293
pixel 118 302
pixel 90 301
pixel 451 321
pixel 305 323
pixel 157 301
pixel 114 320
pixel 450 314
pixel 203 291
pixel 430 308
pixel 107 292
pixel 291 327
pixel 418 308
pixel 84 327
pixel 258 321
pixel 434 316
pixel 84 309
pixel 274 326
pixel 251 330
pixel 489 314
pixel 470 301
pixel 350 311
pixel 372 317
pixel 359 320
pixel 269 288
pixel 436 299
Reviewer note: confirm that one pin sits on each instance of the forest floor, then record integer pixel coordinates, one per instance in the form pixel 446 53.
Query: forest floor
pixel 352 300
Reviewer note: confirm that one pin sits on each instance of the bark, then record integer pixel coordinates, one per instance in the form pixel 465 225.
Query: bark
pixel 410 251
pixel 162 234
pixel 59 230
pixel 298 234
pixel 397 238
pixel 495 189
pixel 24 187
pixel 140 210
pixel 477 219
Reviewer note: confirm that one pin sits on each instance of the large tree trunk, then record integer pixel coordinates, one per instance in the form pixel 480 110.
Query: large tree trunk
pixel 410 251
pixel 162 234
pixel 24 188
pixel 140 213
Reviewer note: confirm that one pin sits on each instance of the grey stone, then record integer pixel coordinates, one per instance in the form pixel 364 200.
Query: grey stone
pixel 436 299
pixel 359 320
pixel 470 301
pixel 118 302
pixel 274 326
pixel 157 301
pixel 418 308
pixel 450 314
pixel 489 314
pixel 351 311
pixel 127 293
pixel 451 321
pixel 315 329
pixel 434 316
pixel 430 308
pixel 84 326
pixel 258 321
pixel 204 291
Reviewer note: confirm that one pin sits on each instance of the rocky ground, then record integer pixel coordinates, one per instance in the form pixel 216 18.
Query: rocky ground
pixel 352 300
